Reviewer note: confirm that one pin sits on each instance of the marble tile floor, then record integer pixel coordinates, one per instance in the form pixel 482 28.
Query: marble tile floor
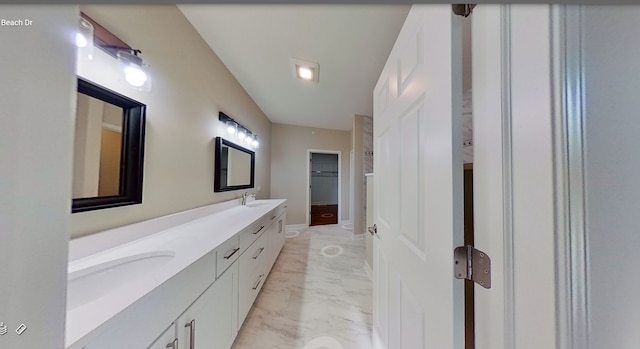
pixel 318 295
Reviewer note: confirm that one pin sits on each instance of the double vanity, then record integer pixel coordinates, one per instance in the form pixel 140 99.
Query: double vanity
pixel 183 281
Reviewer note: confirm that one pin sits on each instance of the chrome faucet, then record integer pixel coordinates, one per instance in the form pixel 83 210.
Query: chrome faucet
pixel 246 195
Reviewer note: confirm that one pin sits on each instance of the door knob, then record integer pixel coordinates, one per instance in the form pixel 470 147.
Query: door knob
pixel 373 230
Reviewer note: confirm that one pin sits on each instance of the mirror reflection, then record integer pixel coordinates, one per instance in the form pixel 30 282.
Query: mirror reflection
pixel 97 148
pixel 234 166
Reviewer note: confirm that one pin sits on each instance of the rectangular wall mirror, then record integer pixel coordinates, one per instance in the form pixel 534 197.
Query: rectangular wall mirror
pixel 234 166
pixel 108 149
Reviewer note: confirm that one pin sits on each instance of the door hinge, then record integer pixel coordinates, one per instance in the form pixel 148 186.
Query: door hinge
pixel 472 264
pixel 463 10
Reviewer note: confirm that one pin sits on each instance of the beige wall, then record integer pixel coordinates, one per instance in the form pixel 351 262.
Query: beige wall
pixel 289 145
pixel 190 85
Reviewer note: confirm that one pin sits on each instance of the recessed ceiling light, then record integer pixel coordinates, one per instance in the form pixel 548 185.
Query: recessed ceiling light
pixel 304 70
pixel 305 73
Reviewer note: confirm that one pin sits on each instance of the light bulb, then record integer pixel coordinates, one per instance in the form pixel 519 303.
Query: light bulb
pixel 135 76
pixel 231 127
pixel 81 41
pixel 247 140
pixel 241 134
pixel 255 143
pixel 305 73
pixel 134 71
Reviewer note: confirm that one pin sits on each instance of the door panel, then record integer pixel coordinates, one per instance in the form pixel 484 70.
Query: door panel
pixel 418 197
pixel 411 234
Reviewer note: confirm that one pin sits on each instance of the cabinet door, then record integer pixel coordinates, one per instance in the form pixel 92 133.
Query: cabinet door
pixel 282 224
pixel 211 321
pixel 276 240
pixel 253 272
pixel 166 340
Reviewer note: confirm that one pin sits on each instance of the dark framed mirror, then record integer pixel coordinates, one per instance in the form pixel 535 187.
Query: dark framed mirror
pixel 234 166
pixel 108 156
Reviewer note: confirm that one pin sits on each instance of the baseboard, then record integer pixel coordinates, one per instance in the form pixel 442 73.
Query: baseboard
pixel 345 222
pixel 296 227
pixel 368 269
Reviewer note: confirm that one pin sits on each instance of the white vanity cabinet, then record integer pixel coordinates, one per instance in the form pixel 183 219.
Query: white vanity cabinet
pixel 201 305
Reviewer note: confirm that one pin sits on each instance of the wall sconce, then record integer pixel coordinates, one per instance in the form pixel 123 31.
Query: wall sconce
pixel 134 71
pixel 244 136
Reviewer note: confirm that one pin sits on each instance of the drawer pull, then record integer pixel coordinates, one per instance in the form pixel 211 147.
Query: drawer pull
pixel 273 217
pixel 257 231
pixel 257 254
pixel 173 345
pixel 192 333
pixel 231 253
pixel 255 287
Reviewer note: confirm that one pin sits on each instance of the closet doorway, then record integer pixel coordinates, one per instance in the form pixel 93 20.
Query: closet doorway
pixel 324 199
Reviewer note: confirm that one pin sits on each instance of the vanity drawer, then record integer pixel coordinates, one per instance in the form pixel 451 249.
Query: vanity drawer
pixel 253 232
pixel 253 257
pixel 227 253
pixel 282 208
pixel 252 274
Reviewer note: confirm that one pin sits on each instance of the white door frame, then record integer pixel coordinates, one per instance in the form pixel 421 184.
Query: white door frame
pixel 527 105
pixel 323 151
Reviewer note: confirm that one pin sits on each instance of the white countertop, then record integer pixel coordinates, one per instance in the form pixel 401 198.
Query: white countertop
pixel 188 241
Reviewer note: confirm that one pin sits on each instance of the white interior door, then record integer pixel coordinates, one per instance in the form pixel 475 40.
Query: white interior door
pixel 419 189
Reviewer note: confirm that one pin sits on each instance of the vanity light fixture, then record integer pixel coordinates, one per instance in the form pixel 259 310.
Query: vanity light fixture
pixel 244 136
pixel 305 70
pixel 134 71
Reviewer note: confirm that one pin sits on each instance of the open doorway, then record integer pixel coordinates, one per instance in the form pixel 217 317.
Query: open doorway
pixel 324 187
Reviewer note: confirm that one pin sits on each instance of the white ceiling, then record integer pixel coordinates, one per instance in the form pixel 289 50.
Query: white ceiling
pixel 350 43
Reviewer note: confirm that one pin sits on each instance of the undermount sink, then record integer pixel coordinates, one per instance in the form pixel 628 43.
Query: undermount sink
pixel 258 203
pixel 90 283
